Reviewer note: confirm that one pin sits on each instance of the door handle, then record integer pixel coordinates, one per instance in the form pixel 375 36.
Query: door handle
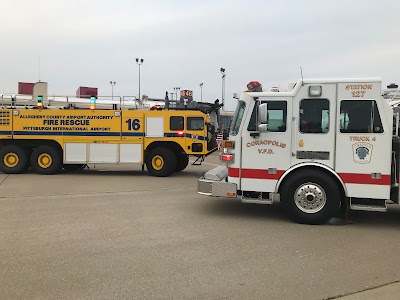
pixel 255 134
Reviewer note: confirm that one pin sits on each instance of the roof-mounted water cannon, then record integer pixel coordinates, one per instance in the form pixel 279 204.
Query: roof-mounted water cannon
pixel 254 86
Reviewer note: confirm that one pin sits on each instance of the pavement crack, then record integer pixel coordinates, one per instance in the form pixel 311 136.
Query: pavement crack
pixel 96 193
pixel 360 291
pixel 1 182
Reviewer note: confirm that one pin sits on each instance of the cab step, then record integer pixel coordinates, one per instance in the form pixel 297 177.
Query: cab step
pixel 257 201
pixel 368 204
pixel 198 161
pixel 256 198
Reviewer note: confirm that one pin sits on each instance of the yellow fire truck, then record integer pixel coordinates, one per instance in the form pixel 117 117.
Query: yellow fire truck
pixel 49 139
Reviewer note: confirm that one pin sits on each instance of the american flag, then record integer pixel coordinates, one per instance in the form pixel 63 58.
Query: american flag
pixel 220 137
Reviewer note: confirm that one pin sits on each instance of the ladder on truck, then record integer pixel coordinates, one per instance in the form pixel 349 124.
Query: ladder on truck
pixel 391 94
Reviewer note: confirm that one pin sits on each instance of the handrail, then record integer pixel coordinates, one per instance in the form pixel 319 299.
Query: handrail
pixel 117 102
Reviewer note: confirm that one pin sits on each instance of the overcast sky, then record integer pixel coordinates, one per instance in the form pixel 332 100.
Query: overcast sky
pixel 185 43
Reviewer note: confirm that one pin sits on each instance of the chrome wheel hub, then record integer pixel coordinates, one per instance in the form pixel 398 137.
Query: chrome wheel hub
pixel 310 198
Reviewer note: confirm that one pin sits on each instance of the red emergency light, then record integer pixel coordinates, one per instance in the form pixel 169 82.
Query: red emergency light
pixel 156 107
pixel 227 157
pixel 254 86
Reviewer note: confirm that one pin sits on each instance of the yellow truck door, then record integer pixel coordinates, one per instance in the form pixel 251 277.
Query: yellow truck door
pixel 196 132
pixel 132 133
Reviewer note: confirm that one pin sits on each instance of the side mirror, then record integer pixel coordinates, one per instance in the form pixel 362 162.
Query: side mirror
pixel 263 113
pixel 262 127
pixel 263 117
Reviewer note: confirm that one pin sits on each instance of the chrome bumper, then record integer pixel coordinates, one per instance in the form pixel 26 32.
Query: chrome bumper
pixel 213 184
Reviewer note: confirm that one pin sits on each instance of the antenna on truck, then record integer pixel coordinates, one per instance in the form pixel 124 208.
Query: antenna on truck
pixel 39 68
pixel 301 73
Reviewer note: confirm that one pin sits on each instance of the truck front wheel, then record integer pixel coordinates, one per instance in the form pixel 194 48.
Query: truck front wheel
pixel 183 161
pixel 46 160
pixel 161 162
pixel 13 159
pixel 310 197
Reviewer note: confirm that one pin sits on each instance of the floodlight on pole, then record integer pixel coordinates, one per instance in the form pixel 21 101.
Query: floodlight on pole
pixel 139 61
pixel 223 87
pixel 112 89
pixel 201 92
pixel 177 89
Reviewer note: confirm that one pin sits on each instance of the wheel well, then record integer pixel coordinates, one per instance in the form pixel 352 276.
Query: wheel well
pixel 31 144
pixel 175 147
pixel 316 169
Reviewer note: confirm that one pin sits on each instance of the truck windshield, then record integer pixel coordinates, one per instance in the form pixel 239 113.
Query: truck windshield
pixel 237 118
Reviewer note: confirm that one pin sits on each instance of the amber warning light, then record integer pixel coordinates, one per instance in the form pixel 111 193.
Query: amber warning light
pixel 40 102
pixel 228 144
pixel 92 103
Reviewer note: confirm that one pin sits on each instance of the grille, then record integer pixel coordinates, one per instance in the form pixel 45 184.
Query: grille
pixel 4 118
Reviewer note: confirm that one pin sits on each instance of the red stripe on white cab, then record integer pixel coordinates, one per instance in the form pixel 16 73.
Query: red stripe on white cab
pixel 254 173
pixel 364 179
pixel 346 177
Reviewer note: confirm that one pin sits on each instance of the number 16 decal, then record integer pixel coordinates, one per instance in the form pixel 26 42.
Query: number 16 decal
pixel 133 124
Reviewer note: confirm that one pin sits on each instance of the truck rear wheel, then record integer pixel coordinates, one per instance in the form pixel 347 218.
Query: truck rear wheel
pixel 46 160
pixel 13 159
pixel 161 162
pixel 310 197
pixel 183 161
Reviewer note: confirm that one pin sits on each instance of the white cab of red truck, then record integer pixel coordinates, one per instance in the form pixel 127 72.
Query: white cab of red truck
pixel 325 145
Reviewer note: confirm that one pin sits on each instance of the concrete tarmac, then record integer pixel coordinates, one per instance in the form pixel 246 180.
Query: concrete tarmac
pixel 112 233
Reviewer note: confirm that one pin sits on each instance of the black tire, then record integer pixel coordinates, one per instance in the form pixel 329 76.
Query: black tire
pixel 161 162
pixel 323 195
pixel 74 167
pixel 183 161
pixel 13 159
pixel 46 160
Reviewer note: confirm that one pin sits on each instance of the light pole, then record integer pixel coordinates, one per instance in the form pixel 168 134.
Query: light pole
pixel 177 89
pixel 139 61
pixel 223 87
pixel 112 89
pixel 201 92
